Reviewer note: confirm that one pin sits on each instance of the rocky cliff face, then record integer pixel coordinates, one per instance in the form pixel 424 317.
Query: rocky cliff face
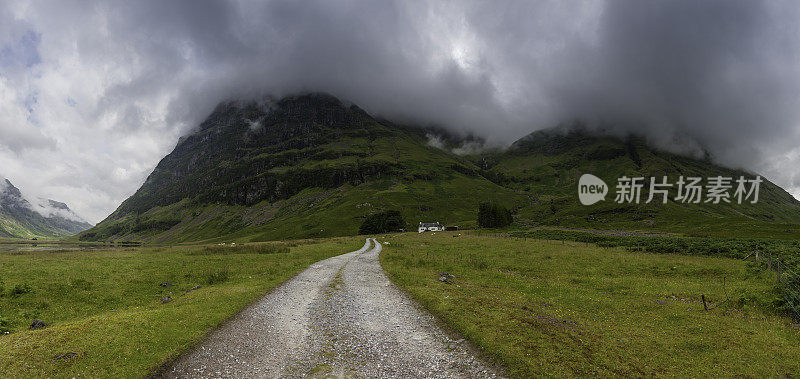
pixel 19 218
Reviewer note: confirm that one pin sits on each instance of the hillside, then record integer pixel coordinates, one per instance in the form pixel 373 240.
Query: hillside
pixel 311 165
pixel 19 218
pixel 547 164
pixel 299 167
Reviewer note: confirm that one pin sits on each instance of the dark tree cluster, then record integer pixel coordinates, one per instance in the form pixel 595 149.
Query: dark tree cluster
pixel 492 215
pixel 383 222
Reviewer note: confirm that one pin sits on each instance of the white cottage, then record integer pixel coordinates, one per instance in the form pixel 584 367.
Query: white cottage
pixel 430 227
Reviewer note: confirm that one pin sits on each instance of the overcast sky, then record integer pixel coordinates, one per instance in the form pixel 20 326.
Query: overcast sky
pixel 94 94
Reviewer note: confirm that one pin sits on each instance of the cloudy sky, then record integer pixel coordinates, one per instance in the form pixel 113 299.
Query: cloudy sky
pixel 94 94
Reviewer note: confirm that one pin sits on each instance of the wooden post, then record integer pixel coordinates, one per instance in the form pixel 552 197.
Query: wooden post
pixel 705 306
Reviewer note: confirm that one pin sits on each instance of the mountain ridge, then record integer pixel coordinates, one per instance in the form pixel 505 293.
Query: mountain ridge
pixel 19 218
pixel 550 162
pixel 311 165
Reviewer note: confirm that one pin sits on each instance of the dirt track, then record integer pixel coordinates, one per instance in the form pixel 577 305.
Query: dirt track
pixel 342 317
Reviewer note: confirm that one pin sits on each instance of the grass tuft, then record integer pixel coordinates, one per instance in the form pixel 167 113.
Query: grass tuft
pixel 216 277
pixel 19 290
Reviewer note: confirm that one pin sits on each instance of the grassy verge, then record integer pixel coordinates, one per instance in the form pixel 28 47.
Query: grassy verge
pixel 567 308
pixel 109 314
pixel 786 251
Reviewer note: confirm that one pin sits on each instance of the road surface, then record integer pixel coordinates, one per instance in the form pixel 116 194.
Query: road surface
pixel 340 317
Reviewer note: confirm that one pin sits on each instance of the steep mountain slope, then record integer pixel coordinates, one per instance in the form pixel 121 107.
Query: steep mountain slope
pixel 302 166
pixel 311 165
pixel 20 219
pixel 548 164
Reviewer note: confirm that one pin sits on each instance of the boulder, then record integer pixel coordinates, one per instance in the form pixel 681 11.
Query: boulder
pixel 445 277
pixel 37 324
pixel 197 287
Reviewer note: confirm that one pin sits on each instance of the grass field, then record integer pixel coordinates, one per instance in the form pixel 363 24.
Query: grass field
pixel 569 308
pixel 104 308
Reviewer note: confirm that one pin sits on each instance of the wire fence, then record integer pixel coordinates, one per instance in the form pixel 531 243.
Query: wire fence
pixel 787 277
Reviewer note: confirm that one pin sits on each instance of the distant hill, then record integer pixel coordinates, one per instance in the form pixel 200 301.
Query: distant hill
pixel 311 165
pixel 19 218
pixel 547 164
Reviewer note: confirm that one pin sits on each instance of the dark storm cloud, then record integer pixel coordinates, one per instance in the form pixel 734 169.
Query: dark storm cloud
pixel 116 83
pixel 723 73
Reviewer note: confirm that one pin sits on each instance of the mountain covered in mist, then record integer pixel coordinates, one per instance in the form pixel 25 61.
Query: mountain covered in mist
pixel 546 165
pixel 311 165
pixel 20 218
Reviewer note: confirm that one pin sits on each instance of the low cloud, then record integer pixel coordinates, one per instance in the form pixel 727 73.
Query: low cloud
pixel 48 208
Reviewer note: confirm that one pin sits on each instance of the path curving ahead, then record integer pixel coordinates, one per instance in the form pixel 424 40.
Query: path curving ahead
pixel 341 317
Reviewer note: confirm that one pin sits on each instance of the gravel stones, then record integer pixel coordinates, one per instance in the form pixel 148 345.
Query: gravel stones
pixel 339 317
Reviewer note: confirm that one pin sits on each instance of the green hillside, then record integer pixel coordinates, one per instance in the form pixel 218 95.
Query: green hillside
pixel 300 167
pixel 547 165
pixel 310 165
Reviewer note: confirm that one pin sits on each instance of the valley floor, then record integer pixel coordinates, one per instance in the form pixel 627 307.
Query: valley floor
pixel 535 307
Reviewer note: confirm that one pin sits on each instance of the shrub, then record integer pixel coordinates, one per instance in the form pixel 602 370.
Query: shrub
pixel 383 222
pixel 215 277
pixel 492 215
pixel 81 284
pixel 20 289
pixel 271 248
pixel 477 263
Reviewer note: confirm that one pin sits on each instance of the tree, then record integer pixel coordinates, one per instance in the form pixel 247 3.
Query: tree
pixel 493 215
pixel 382 222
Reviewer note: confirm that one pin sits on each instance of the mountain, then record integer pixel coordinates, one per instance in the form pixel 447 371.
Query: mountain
pixel 46 218
pixel 301 166
pixel 312 165
pixel 547 165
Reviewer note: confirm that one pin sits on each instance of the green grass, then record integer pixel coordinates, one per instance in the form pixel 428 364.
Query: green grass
pixel 788 252
pixel 567 308
pixel 104 308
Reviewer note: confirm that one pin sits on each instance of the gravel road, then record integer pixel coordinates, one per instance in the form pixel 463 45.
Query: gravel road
pixel 340 317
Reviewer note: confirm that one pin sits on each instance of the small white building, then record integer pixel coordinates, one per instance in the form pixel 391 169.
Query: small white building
pixel 430 227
